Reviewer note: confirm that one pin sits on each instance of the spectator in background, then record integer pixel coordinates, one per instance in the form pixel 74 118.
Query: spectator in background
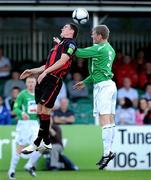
pixel 118 60
pixel 75 95
pixel 147 93
pixel 147 118
pixel 125 113
pixel 145 76
pixel 79 66
pixel 141 111
pixel 56 160
pixel 5 66
pixel 64 115
pixel 62 94
pixel 5 117
pixel 149 104
pixel 9 103
pixel 128 91
pixel 13 82
pixel 126 69
pixel 140 60
pixel 57 147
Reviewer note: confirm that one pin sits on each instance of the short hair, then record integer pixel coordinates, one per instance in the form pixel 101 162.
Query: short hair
pixel 16 88
pixel 103 30
pixel 75 29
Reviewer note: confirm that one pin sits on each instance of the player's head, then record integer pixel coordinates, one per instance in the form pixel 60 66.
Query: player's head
pixel 15 91
pixel 30 84
pixel 100 33
pixel 64 104
pixel 69 31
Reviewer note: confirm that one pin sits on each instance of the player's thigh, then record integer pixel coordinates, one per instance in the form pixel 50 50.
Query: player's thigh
pixel 39 108
pixel 105 119
pixel 114 101
pixel 105 99
pixel 46 110
pixel 112 119
pixel 51 89
pixel 26 132
pixel 38 92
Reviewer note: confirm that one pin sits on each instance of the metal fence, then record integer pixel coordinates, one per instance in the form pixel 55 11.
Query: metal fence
pixel 26 46
pixel 130 42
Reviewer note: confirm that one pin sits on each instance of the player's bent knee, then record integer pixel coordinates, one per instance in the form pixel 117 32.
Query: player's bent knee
pixel 45 110
pixel 104 119
pixel 19 149
pixel 39 109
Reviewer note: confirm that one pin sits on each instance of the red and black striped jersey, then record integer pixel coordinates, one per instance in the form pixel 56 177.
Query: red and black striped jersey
pixel 66 46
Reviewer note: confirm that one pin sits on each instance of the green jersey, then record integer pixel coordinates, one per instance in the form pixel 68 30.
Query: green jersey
pixel 101 57
pixel 25 102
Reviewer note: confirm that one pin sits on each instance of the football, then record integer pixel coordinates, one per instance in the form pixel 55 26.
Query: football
pixel 80 16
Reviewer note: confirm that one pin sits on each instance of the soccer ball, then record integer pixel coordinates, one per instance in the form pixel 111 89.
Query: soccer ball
pixel 80 16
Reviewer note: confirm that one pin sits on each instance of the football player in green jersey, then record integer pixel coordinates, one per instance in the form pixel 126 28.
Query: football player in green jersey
pixel 101 56
pixel 27 127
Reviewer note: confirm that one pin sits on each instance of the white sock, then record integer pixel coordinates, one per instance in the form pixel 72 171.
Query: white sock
pixel 14 161
pixel 113 134
pixel 32 160
pixel 107 139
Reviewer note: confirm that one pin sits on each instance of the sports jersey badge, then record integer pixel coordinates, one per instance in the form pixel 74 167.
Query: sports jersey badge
pixel 71 49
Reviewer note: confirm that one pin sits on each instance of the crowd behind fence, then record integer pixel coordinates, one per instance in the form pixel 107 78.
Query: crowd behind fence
pixel 34 46
pixel 133 62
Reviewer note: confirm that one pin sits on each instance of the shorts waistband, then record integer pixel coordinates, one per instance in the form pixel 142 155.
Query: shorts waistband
pixel 104 83
pixel 55 76
pixel 28 122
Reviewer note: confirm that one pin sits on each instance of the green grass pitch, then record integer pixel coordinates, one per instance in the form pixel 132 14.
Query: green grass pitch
pixel 81 175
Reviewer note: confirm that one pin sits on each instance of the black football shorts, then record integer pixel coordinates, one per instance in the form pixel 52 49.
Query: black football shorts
pixel 47 91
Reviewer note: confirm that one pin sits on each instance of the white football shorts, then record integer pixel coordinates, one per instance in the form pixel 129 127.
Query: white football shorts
pixel 26 132
pixel 104 98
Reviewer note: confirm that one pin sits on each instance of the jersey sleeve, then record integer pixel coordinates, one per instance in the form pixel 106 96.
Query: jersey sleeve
pixel 18 105
pixel 70 47
pixel 87 52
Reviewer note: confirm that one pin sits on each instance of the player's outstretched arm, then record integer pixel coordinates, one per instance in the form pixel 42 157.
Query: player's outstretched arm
pixel 30 72
pixel 87 52
pixel 64 58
